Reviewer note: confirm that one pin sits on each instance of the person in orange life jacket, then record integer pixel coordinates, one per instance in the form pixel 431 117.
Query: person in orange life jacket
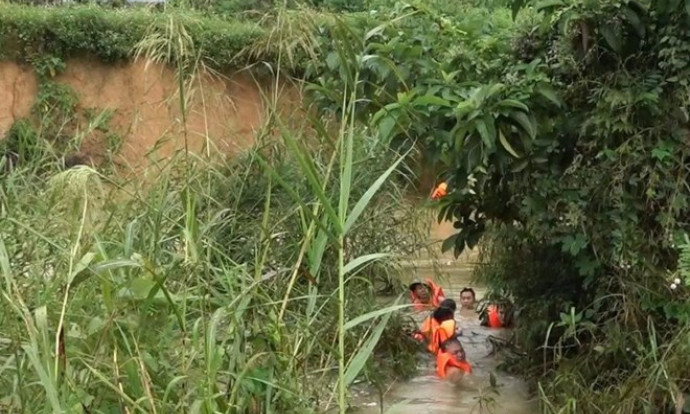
pixel 497 315
pixel 467 298
pixel 445 318
pixel 426 295
pixel 430 324
pixel 451 363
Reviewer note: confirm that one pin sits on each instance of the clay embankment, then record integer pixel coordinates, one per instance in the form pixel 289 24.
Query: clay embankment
pixel 224 112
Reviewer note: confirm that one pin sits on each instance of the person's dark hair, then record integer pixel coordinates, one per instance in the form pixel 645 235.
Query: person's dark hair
pixel 414 285
pixel 448 303
pixel 469 289
pixel 443 314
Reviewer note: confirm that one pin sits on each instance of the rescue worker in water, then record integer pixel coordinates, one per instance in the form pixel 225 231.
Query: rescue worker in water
pixel 451 362
pixel 467 298
pixel 438 326
pixel 497 315
pixel 426 295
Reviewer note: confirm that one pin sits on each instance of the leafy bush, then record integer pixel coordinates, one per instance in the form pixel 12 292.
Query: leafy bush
pixel 29 33
pixel 563 136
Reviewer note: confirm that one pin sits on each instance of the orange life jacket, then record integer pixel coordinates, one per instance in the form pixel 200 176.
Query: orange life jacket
pixel 494 317
pixel 440 191
pixel 429 325
pixel 437 296
pixel 444 360
pixel 443 331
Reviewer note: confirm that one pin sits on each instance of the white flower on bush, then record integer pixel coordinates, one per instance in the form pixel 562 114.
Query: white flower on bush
pixel 673 286
pixel 676 281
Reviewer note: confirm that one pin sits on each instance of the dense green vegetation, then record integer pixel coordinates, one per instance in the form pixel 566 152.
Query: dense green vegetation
pixel 560 126
pixel 221 286
pixel 564 139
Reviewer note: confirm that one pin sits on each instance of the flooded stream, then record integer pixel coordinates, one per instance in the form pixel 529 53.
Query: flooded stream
pixel 425 393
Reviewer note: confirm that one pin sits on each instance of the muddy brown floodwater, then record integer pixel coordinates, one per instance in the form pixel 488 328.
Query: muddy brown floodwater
pixel 425 393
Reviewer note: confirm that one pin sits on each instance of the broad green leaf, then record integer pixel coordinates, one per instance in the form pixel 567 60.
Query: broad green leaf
pixel 507 145
pixel 360 358
pixel 390 126
pixel 519 166
pixel 493 90
pixel 488 138
pixel 362 260
pixel 371 315
pixel 449 242
pixel 635 21
pixel 525 122
pixel 515 6
pixel 83 263
pixel 332 60
pixel 431 100
pixel 141 287
pixel 611 35
pixel 549 4
pixel 369 195
pixel 547 92
pixel 463 108
pixel 512 103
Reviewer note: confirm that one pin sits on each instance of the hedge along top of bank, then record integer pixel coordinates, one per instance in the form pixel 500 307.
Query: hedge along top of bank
pixel 29 32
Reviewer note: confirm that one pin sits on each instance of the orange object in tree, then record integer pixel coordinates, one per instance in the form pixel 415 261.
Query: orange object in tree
pixel 445 360
pixel 440 191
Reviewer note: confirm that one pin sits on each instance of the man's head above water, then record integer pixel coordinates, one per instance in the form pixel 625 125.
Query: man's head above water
pixel 467 298
pixel 454 347
pixel 422 291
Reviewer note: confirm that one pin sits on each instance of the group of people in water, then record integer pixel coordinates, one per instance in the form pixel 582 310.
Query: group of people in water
pixel 439 331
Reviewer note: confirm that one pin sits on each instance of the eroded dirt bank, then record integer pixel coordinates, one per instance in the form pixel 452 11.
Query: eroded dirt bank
pixel 225 112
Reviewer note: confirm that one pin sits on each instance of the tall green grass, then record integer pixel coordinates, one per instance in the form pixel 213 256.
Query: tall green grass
pixel 217 290
pixel 233 286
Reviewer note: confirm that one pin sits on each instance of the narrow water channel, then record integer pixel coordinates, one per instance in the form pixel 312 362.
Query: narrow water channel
pixel 425 393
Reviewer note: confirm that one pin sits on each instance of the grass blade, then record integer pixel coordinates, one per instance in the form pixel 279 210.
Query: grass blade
pixel 369 195
pixel 374 314
pixel 360 358
pixel 362 260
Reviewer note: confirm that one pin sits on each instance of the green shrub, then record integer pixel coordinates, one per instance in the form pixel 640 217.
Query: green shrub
pixel 30 33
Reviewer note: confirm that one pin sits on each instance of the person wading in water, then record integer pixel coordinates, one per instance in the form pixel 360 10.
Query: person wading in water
pixel 467 298
pixel 451 364
pixel 446 328
pixel 426 295
pixel 497 314
pixel 430 324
